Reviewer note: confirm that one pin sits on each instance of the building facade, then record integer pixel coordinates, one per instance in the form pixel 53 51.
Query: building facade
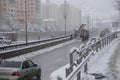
pixel 20 11
pixel 56 13
pixel 25 11
pixel 5 7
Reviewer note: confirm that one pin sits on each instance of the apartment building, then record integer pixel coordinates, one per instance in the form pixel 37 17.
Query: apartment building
pixel 19 10
pixel 7 9
pixel 4 7
pixel 25 10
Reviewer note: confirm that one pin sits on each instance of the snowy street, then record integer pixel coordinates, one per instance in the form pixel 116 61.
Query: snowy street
pixel 51 58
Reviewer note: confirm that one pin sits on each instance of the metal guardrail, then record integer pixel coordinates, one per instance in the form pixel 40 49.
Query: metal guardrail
pixel 9 47
pixel 29 48
pixel 84 55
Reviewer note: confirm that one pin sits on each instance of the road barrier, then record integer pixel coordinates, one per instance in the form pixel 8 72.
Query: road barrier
pixel 15 50
pixel 84 55
pixel 8 47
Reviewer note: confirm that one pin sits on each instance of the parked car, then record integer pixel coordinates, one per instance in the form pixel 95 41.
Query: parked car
pixel 19 70
pixel 3 40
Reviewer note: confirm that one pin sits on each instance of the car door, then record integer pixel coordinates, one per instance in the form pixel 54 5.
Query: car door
pixel 26 69
pixel 32 68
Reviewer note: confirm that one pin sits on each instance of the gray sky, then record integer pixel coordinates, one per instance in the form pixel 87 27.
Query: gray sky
pixel 96 8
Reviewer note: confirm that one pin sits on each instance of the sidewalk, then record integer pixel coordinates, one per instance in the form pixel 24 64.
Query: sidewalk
pixel 114 65
pixel 105 61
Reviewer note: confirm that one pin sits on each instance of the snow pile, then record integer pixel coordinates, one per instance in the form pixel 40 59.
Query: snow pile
pixel 97 64
pixel 113 69
pixel 74 49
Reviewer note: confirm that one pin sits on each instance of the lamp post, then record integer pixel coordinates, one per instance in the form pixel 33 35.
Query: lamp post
pixel 26 35
pixel 65 14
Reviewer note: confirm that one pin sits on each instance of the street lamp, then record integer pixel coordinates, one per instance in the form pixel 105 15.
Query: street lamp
pixel 65 12
pixel 26 35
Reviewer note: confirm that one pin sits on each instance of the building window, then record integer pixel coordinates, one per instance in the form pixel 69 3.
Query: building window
pixel 12 10
pixel 12 5
pixel 21 4
pixel 12 15
pixel 4 9
pixel 4 4
pixel 31 3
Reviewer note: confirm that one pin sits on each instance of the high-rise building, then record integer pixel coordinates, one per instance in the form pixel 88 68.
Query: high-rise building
pixel 15 10
pixel 7 12
pixel 5 7
pixel 56 13
pixel 25 9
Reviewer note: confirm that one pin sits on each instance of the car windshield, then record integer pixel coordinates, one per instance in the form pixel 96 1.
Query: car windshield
pixel 11 64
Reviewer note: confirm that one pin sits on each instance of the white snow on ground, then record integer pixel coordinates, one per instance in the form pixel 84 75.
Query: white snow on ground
pixel 97 64
pixel 113 71
pixel 35 53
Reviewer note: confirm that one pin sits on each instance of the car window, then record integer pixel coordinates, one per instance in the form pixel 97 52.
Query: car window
pixel 31 64
pixel 11 64
pixel 1 38
pixel 25 65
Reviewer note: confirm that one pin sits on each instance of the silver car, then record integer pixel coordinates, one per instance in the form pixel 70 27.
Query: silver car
pixel 4 40
pixel 19 70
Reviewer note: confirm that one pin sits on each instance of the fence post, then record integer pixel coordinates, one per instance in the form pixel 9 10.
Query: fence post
pixel 100 45
pixel 71 58
pixel 107 40
pixel 116 35
pixel 86 68
pixel 79 76
pixel 103 42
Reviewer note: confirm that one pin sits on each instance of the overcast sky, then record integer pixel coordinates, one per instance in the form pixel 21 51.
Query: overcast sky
pixel 96 8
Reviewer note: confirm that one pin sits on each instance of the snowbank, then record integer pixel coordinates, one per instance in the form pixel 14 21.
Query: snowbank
pixel 97 63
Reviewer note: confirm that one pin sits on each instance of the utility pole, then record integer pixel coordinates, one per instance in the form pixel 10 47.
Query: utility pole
pixel 47 14
pixel 26 32
pixel 65 14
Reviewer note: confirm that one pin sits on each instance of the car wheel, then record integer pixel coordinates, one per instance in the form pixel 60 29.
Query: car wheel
pixel 39 75
pixel 25 78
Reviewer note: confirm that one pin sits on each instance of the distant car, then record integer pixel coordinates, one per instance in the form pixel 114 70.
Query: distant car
pixel 19 70
pixel 3 40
